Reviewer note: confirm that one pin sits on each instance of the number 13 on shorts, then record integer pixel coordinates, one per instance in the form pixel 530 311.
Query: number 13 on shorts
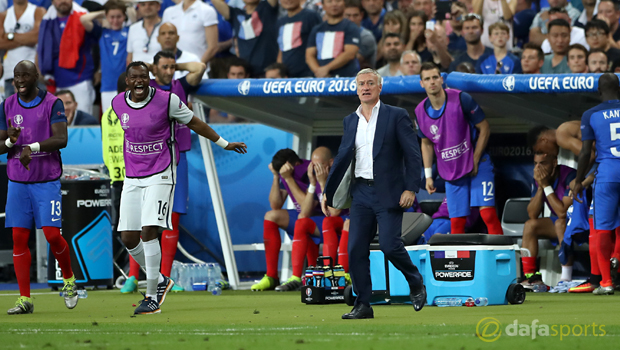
pixel 56 210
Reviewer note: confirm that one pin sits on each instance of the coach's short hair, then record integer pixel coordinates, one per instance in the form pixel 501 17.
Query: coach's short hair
pixel 282 156
pixel 370 71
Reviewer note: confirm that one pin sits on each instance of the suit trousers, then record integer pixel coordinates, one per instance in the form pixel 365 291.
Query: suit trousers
pixel 366 212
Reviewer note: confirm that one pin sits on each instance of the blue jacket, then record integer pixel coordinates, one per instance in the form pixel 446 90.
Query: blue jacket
pixel 396 159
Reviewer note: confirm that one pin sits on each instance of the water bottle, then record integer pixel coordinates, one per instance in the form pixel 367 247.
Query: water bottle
pixel 540 288
pixel 218 271
pixel 445 301
pixel 470 302
pixel 185 278
pixel 482 301
pixel 216 290
pixel 211 277
pixel 82 294
pixel 309 276
pixel 175 272
pixel 328 279
pixel 339 279
pixel 318 275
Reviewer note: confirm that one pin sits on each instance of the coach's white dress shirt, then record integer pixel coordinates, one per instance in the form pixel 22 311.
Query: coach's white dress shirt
pixel 364 139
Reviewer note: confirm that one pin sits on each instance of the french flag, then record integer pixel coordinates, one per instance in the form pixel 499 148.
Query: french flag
pixel 329 44
pixel 250 28
pixel 290 36
pixel 452 254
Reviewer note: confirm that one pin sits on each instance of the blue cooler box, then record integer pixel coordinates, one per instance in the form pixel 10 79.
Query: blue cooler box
pixel 389 285
pixel 472 265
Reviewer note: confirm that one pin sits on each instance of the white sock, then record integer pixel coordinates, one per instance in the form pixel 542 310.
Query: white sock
pixel 567 273
pixel 152 255
pixel 138 253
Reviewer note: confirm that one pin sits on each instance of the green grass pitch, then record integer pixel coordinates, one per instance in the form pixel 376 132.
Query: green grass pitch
pixel 270 320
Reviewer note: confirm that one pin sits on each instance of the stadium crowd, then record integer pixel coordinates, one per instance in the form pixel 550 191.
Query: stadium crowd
pixel 84 46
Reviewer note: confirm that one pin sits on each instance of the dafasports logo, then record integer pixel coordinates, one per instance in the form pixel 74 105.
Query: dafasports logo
pixel 489 329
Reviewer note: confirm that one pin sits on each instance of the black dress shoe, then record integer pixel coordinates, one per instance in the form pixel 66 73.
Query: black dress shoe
pixel 359 311
pixel 418 299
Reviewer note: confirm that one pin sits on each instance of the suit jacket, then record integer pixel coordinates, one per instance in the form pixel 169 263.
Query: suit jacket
pixel 83 118
pixel 397 164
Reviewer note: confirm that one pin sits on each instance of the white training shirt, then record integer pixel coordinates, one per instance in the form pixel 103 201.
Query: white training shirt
pixel 177 111
pixel 138 40
pixel 364 139
pixel 191 25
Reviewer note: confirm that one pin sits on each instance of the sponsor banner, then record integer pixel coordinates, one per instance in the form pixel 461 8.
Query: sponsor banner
pixel 523 83
pixel 453 265
pixel 304 87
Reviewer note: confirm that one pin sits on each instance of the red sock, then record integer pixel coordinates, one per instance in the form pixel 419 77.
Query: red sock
pixel 169 240
pixel 529 264
pixel 303 229
pixel 593 248
pixel 489 216
pixel 134 268
pixel 343 253
pixel 332 225
pixel 605 249
pixel 457 225
pixel 616 253
pixel 312 253
pixel 22 259
pixel 273 242
pixel 60 249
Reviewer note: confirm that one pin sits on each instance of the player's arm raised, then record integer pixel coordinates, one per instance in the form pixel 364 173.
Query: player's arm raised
pixel 179 111
pixel 195 69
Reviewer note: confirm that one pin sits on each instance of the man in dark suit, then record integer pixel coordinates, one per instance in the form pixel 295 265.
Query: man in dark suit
pixel 377 172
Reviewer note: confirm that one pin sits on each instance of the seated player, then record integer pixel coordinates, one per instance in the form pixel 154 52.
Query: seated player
pixel 552 186
pixel 290 178
pixel 441 221
pixel 312 227
pixel 566 143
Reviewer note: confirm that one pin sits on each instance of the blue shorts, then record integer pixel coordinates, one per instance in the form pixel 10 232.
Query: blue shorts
pixel 576 220
pixel 41 202
pixel 439 226
pixel 467 192
pixel 292 219
pixel 607 206
pixel 181 189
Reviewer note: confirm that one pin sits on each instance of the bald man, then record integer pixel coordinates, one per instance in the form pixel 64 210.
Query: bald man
pixel 168 39
pixel 33 129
